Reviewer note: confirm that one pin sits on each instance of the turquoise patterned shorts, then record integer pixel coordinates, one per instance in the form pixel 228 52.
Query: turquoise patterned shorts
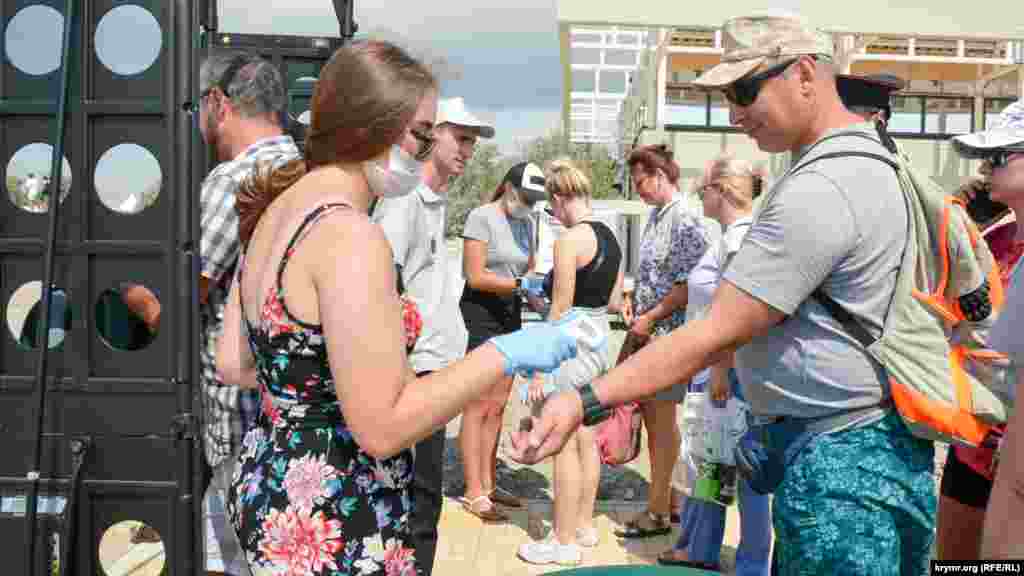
pixel 861 501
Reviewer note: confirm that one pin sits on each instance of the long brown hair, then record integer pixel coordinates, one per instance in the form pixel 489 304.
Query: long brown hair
pixel 366 96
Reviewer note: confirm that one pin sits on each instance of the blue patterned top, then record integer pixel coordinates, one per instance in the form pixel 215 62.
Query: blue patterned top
pixel 673 242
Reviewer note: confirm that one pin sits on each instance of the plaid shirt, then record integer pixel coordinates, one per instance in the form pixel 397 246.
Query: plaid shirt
pixel 227 411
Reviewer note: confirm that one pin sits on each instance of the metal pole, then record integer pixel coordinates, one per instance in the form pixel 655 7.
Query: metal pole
pixel 344 10
pixel 43 336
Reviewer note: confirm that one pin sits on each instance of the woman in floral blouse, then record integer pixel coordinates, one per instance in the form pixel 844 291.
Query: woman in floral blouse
pixel 673 242
pixel 314 320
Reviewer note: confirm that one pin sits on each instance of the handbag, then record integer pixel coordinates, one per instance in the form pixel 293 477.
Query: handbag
pixel 618 438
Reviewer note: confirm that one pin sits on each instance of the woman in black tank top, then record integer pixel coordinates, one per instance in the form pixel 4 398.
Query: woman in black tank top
pixel 586 278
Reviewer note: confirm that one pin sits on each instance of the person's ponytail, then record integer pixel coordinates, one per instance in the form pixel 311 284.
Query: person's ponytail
pixel 262 187
pixel 499 192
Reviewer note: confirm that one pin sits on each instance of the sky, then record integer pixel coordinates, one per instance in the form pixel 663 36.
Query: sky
pixel 501 55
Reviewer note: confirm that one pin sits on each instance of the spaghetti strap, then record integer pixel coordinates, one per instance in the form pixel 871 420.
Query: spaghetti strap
pixel 307 223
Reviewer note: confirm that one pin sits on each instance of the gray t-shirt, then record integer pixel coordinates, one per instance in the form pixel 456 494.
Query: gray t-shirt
pixel 414 226
pixel 508 239
pixel 841 224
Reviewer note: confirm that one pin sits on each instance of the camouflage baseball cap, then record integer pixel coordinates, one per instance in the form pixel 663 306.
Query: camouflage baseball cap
pixel 1006 132
pixel 748 41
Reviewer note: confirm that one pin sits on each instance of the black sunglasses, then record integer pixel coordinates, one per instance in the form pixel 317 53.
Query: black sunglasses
pixel 1001 158
pixel 744 91
pixel 426 141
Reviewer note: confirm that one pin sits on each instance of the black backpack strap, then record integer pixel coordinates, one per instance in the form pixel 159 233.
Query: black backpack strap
pixel 850 324
pixel 849 154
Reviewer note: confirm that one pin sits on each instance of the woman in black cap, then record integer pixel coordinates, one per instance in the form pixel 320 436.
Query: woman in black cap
pixel 497 253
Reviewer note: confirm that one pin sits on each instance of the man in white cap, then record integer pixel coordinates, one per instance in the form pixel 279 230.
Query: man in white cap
pixel 853 488
pixel 414 225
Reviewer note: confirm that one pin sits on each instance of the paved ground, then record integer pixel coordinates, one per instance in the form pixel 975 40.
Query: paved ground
pixel 468 546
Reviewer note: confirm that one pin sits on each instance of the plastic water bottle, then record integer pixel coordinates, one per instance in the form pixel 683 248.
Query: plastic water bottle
pixel 585 329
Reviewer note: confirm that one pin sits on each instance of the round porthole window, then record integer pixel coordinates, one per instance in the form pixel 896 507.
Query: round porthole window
pixel 28 178
pixel 25 316
pixel 132 547
pixel 128 178
pixel 128 317
pixel 33 40
pixel 128 40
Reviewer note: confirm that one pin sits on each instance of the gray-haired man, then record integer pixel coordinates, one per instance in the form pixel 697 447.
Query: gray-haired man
pixel 239 112
pixel 853 488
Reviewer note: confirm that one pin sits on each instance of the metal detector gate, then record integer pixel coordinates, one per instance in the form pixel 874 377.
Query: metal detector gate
pixel 97 409
pixel 100 462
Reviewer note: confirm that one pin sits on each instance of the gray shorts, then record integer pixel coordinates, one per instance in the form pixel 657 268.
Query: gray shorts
pixel 584 368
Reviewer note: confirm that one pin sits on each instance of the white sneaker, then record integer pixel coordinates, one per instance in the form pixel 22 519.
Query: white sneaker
pixel 586 537
pixel 550 552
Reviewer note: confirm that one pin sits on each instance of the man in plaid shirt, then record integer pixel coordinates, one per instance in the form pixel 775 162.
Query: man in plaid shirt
pixel 239 119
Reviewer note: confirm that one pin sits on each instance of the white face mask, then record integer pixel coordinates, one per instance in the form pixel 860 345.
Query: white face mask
pixel 520 211
pixel 517 209
pixel 401 177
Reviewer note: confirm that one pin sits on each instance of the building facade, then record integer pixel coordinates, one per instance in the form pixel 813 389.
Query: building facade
pixel 628 70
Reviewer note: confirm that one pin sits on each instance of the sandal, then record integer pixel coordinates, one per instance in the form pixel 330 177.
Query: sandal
pixel 505 498
pixel 483 508
pixel 668 558
pixel 645 525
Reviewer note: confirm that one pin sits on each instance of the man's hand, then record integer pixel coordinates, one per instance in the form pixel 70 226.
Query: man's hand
pixel 720 391
pixel 559 418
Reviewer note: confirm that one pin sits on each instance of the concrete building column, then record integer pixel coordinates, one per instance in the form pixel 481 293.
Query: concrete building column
pixel 661 78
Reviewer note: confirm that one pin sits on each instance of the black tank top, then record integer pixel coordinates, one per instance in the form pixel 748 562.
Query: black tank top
pixel 596 280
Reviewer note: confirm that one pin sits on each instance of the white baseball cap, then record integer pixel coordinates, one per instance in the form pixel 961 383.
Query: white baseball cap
pixel 453 111
pixel 1006 132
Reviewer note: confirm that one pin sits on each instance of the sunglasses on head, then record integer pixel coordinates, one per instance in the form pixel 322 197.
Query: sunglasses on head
pixel 1001 158
pixel 426 142
pixel 744 91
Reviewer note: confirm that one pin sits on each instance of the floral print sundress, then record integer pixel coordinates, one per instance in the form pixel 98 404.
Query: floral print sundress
pixel 306 499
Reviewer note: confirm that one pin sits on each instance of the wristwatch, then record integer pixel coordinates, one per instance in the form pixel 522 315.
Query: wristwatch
pixel 593 411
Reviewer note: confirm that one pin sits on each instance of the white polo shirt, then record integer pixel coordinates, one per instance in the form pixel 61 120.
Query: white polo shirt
pixel 414 226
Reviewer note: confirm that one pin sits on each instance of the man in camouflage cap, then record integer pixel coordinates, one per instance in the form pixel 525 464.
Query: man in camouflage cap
pixel 853 489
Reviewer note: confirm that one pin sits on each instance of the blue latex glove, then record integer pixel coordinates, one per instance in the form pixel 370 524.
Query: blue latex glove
pixel 541 347
pixel 533 285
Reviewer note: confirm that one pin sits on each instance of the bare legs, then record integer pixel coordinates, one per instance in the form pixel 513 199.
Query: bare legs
pixel 663 448
pixel 577 472
pixel 478 439
pixel 958 529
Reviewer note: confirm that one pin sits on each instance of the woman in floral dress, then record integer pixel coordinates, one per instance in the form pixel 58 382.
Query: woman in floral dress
pixel 314 320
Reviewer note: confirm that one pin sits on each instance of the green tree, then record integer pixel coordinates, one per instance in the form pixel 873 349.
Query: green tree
pixel 488 166
pixel 476 185
pixel 596 160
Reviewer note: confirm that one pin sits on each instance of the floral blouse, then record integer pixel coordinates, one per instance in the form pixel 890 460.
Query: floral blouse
pixel 673 242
